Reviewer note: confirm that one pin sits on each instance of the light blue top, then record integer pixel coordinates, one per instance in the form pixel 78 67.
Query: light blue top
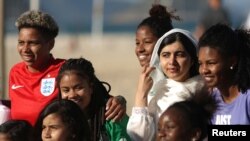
pixel 236 112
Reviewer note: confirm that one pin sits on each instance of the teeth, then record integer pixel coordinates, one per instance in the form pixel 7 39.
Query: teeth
pixel 208 78
pixel 142 57
pixel 27 56
pixel 76 100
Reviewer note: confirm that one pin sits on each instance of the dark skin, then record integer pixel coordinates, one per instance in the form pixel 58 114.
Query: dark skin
pixel 4 137
pixel 215 69
pixel 35 51
pixel 170 127
pixel 145 41
pixel 79 90
pixel 115 110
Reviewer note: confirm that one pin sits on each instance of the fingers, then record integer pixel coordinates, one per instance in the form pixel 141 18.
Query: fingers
pixel 119 116
pixel 149 70
pixel 145 81
pixel 147 76
pixel 116 114
pixel 146 70
pixel 116 110
pixel 109 102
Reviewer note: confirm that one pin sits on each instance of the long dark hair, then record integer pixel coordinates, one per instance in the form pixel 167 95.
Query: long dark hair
pixel 71 115
pixel 96 108
pixel 231 43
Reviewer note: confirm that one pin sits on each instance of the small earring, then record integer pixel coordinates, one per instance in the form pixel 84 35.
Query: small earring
pixel 231 68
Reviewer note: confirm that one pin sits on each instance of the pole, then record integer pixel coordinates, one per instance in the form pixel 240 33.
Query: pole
pixel 34 4
pixel 97 21
pixel 2 52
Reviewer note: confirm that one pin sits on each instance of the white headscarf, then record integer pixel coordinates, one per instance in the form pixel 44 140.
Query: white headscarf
pixel 155 60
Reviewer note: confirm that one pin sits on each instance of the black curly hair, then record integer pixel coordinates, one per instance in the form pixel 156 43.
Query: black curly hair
pixel 196 112
pixel 42 21
pixel 231 43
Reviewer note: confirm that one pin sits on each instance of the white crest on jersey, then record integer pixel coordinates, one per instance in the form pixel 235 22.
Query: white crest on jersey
pixel 47 86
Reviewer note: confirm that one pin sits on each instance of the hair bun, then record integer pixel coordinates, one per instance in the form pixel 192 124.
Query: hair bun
pixel 158 11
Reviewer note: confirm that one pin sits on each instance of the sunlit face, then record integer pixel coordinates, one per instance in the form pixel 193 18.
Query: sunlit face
pixel 76 88
pixel 33 48
pixel 214 4
pixel 175 62
pixel 212 67
pixel 145 41
pixel 53 129
pixel 172 126
pixel 4 137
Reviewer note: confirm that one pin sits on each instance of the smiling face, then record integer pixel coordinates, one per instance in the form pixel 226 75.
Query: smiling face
pixel 213 68
pixel 175 62
pixel 76 88
pixel 53 129
pixel 33 48
pixel 145 41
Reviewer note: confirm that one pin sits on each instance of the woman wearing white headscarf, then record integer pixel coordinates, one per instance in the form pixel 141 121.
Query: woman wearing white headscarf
pixel 172 76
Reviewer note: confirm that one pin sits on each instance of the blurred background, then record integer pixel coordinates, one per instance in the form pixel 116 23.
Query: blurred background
pixel 102 31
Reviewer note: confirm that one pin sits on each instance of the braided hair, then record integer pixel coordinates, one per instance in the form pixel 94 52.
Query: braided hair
pixel 96 108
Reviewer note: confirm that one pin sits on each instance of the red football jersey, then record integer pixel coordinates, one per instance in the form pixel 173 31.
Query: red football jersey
pixel 31 92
